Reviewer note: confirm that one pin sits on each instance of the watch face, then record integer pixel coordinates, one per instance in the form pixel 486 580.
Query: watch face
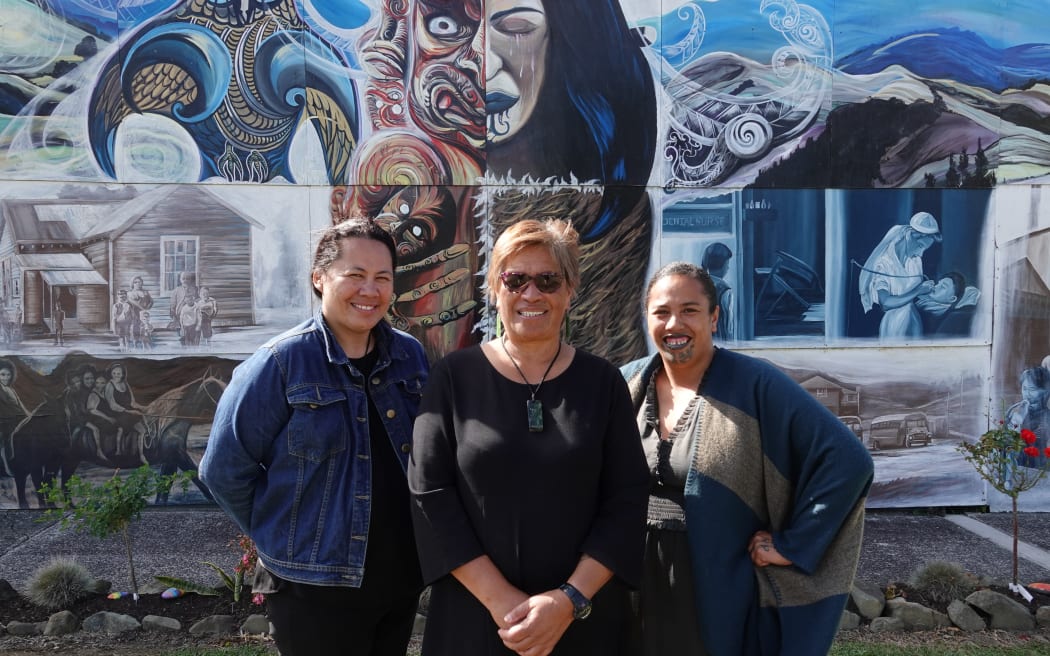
pixel 582 612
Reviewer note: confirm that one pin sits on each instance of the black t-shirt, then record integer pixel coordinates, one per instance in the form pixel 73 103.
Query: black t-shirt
pixel 391 563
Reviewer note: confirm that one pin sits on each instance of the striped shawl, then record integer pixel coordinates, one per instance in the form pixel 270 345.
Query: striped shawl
pixel 768 456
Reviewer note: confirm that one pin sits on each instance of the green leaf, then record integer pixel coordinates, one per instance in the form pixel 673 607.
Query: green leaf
pixel 187 586
pixel 226 578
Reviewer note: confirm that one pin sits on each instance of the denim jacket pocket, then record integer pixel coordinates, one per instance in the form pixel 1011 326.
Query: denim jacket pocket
pixel 317 428
pixel 413 387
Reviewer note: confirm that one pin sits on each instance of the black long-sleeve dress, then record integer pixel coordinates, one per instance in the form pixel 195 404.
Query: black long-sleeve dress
pixel 482 484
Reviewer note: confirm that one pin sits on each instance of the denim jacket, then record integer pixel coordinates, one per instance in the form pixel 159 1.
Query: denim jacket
pixel 288 457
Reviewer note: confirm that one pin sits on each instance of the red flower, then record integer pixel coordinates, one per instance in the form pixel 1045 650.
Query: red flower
pixel 1047 451
pixel 1028 436
pixel 1031 451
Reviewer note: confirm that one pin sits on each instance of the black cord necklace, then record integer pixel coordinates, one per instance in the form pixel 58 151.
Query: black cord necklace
pixel 533 408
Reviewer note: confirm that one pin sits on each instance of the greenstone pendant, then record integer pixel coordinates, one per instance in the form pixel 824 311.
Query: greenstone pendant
pixel 535 412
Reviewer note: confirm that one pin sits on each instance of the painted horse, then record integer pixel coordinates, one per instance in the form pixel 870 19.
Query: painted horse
pixel 39 442
pixel 45 450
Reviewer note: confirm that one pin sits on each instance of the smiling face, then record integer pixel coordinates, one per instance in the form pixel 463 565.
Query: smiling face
pixel 531 315
pixel 680 319
pixel 6 376
pixel 516 45
pixel 356 290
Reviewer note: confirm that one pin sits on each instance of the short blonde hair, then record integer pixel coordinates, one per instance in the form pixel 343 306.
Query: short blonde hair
pixel 556 235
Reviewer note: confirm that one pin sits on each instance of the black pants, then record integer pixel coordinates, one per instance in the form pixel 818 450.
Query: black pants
pixel 312 620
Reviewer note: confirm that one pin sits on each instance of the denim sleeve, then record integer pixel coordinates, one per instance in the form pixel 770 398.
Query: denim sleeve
pixel 251 414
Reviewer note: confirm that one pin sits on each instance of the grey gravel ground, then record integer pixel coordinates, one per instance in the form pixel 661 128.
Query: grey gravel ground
pixel 897 543
pixel 1033 528
pixel 174 542
pixel 169 542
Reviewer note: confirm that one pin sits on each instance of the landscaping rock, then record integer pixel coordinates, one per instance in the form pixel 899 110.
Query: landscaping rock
pixel 917 616
pixel 1005 612
pixel 17 628
pixel 111 623
pixel 7 593
pixel 886 624
pixel 849 620
pixel 965 617
pixel 1042 616
pixel 256 625
pixel 868 598
pixel 161 623
pixel 62 623
pixel 215 625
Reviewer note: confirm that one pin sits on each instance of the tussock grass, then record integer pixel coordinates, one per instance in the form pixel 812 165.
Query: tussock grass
pixel 59 583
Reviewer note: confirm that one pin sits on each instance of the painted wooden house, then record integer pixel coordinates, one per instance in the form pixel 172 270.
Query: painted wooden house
pixel 81 253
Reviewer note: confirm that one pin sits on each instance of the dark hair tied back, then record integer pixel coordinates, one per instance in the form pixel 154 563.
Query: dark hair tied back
pixel 329 246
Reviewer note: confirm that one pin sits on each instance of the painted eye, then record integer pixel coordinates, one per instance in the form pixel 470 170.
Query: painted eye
pixel 404 208
pixel 417 231
pixel 443 26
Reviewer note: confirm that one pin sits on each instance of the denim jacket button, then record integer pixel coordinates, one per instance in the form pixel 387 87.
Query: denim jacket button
pixel 391 414
pixel 376 380
pixel 405 448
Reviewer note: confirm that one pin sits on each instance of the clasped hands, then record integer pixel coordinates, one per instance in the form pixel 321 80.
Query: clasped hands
pixel 763 552
pixel 535 624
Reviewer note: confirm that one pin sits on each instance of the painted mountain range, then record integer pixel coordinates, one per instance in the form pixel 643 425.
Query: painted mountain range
pixel 954 54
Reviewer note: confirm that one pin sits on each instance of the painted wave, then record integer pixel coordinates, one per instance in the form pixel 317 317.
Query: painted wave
pixel 954 54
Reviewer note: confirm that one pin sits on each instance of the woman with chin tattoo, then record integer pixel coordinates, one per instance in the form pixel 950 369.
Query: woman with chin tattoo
pixel 756 503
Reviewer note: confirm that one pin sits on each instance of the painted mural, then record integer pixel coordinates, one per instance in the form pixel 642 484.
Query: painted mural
pixel 865 182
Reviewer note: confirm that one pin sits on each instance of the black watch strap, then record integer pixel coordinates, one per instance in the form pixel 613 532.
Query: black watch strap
pixel 581 606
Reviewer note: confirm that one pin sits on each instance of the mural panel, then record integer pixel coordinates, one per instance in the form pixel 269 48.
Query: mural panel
pixel 856 267
pixel 862 177
pixel 911 416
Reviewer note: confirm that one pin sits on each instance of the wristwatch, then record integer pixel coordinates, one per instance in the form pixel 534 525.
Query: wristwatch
pixel 581 606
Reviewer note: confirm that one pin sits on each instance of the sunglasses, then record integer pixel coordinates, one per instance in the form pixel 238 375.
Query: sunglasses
pixel 547 282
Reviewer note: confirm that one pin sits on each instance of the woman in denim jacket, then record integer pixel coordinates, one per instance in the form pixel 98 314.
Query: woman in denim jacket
pixel 308 453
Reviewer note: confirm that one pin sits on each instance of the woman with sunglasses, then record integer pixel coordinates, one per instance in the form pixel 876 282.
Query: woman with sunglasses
pixel 756 504
pixel 528 479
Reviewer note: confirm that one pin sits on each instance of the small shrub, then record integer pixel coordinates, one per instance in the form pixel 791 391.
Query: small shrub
pixel 59 584
pixel 943 582
pixel 103 509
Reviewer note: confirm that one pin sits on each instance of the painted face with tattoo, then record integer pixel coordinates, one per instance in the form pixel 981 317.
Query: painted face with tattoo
pixel 516 44
pixel 447 98
pixel 680 319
